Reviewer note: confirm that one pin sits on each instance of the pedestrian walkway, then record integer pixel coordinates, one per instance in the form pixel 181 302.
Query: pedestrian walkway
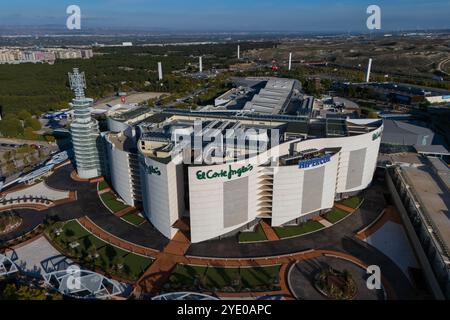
pixel 324 222
pixel 159 272
pixel 39 190
pixel 268 230
pixel 125 211
pixel 344 207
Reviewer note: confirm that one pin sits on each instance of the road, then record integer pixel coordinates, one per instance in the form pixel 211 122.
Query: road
pixel 51 146
pixel 339 238
pixel 131 98
pixel 442 64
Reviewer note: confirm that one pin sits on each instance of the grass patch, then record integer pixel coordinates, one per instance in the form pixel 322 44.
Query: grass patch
pixel 102 185
pixel 133 218
pixel 352 202
pixel 336 215
pixel 257 235
pixel 292 231
pixel 187 277
pixel 109 257
pixel 112 203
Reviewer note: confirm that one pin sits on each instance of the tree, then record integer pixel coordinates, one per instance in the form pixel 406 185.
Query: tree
pixel 110 253
pixel 7 155
pixel 29 134
pixel 11 127
pixel 24 115
pixel 33 123
pixel 69 233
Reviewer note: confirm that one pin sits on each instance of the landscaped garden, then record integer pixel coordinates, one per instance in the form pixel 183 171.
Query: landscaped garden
pixel 221 279
pixel 110 200
pixel 9 222
pixel 134 219
pixel 335 215
pixel 78 243
pixel 102 185
pixel 255 236
pixel 21 288
pixel 336 284
pixel 352 202
pixel 293 231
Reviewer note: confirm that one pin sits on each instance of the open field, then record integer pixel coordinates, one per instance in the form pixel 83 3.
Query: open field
pixel 397 56
pixel 132 98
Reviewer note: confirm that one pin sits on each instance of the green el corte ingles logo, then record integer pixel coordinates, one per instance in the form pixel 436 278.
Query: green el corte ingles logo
pixel 153 170
pixel 376 135
pixel 211 174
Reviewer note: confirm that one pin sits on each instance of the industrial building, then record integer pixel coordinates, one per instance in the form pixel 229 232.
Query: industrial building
pixel 274 97
pixel 421 193
pixel 406 93
pixel 404 133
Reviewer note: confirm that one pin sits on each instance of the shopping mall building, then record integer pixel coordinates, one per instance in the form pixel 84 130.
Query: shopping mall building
pixel 223 171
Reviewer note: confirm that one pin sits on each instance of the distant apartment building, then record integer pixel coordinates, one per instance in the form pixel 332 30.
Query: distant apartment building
pixel 14 56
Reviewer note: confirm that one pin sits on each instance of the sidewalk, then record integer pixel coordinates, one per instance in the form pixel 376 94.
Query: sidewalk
pixel 343 207
pixel 268 230
pixel 159 272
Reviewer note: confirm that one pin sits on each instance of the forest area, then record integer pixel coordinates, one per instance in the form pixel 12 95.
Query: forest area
pixel 38 88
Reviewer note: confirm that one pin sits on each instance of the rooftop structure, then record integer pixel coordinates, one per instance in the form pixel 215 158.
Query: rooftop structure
pixel 422 194
pixel 407 93
pixel 273 98
pixel 404 133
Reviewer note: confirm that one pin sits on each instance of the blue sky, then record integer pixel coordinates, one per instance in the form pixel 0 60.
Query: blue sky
pixel 231 15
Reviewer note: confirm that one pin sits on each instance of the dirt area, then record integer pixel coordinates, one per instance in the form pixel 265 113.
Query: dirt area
pixel 391 55
pixel 131 98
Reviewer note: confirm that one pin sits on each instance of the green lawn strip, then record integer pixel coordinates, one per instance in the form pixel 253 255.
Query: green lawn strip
pixel 352 202
pixel 133 219
pixel 257 235
pixel 336 215
pixel 218 278
pixel 112 203
pixel 184 276
pixel 109 256
pixel 292 231
pixel 258 278
pixel 102 185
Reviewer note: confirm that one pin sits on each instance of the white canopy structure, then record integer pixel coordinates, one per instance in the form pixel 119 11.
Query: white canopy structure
pixel 7 267
pixel 184 296
pixel 83 284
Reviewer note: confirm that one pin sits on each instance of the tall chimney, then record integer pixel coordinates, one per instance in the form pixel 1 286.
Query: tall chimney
pixel 369 68
pixel 290 61
pixel 239 52
pixel 200 64
pixel 160 72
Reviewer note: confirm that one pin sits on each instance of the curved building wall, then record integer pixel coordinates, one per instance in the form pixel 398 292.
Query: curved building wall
pixel 162 194
pixel 220 203
pixel 116 126
pixel 121 173
pixel 298 192
pixel 223 204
